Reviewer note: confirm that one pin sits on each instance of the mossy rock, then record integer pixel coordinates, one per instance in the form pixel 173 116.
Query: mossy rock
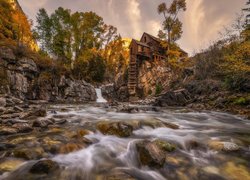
pixel 119 129
pixel 44 167
pixel 29 153
pixel 235 172
pixel 165 146
pixel 70 147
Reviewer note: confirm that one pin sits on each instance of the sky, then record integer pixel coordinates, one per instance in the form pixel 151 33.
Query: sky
pixel 202 21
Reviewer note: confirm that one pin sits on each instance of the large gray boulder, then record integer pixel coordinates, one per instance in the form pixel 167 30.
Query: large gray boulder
pixel 76 90
pixel 179 97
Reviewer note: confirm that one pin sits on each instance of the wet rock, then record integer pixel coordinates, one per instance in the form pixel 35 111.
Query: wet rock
pixel 174 98
pixel 6 146
pixel 171 125
pixel 223 146
pixel 22 139
pixel 13 121
pixel 9 111
pixel 8 131
pixel 153 153
pixel 43 123
pixel 2 109
pixel 155 123
pixel 118 175
pixel 38 112
pixel 29 153
pixel 44 167
pixel 70 147
pixel 127 109
pixel 165 146
pixel 61 121
pixel 212 170
pixel 79 134
pixel 150 154
pixel 193 144
pixel 120 129
pixel 2 102
pixel 235 172
pixel 10 165
pixel 17 108
pixel 10 116
pixel 23 127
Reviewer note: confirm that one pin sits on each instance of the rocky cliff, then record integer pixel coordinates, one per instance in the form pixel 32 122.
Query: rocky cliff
pixel 25 80
pixel 154 77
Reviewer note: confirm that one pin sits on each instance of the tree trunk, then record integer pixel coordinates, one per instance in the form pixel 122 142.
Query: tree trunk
pixel 169 41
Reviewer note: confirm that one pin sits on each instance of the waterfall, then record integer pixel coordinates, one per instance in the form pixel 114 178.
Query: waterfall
pixel 100 99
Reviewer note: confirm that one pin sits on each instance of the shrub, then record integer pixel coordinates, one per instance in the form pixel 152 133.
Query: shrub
pixel 158 89
pixel 242 101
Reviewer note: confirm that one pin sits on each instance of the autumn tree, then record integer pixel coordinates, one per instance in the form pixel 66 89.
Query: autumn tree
pixel 6 21
pixel 246 32
pixel 171 24
pixel 76 39
pixel 14 24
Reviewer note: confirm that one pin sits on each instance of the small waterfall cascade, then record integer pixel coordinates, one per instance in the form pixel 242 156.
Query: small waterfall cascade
pixel 100 99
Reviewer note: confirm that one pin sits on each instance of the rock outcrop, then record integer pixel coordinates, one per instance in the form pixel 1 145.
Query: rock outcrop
pixel 25 81
pixel 153 75
pixel 179 97
pixel 117 91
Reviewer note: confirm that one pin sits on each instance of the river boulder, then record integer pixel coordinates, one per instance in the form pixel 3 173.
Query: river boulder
pixel 120 129
pixel 44 167
pixel 153 153
pixel 223 146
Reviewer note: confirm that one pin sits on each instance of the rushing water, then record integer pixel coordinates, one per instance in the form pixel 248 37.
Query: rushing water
pixel 111 154
pixel 100 99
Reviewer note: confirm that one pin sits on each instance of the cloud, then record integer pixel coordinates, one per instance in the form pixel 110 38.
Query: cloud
pixel 134 14
pixel 201 22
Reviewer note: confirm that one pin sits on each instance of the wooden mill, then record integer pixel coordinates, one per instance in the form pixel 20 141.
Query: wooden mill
pixel 148 48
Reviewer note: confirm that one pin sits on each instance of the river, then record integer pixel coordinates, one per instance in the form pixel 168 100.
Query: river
pixel 107 153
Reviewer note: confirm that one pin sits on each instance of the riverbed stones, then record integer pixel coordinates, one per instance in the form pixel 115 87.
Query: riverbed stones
pixel 44 167
pixel 34 113
pixel 23 127
pixel 235 172
pixel 70 147
pixel 120 129
pixel 153 153
pixel 2 102
pixel 118 175
pixel 43 123
pixel 8 131
pixel 29 153
pixel 223 146
pixel 10 165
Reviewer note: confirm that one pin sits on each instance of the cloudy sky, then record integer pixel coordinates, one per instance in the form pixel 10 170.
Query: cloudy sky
pixel 201 22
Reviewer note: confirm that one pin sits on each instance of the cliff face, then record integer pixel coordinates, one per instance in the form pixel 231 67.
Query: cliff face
pixel 154 76
pixel 24 80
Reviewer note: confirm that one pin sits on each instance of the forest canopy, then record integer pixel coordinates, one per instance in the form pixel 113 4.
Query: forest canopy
pixel 81 41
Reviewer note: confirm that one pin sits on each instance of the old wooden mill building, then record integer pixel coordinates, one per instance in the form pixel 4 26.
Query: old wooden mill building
pixel 148 48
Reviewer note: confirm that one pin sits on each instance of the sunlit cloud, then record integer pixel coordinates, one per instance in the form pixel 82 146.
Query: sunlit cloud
pixel 134 14
pixel 201 22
